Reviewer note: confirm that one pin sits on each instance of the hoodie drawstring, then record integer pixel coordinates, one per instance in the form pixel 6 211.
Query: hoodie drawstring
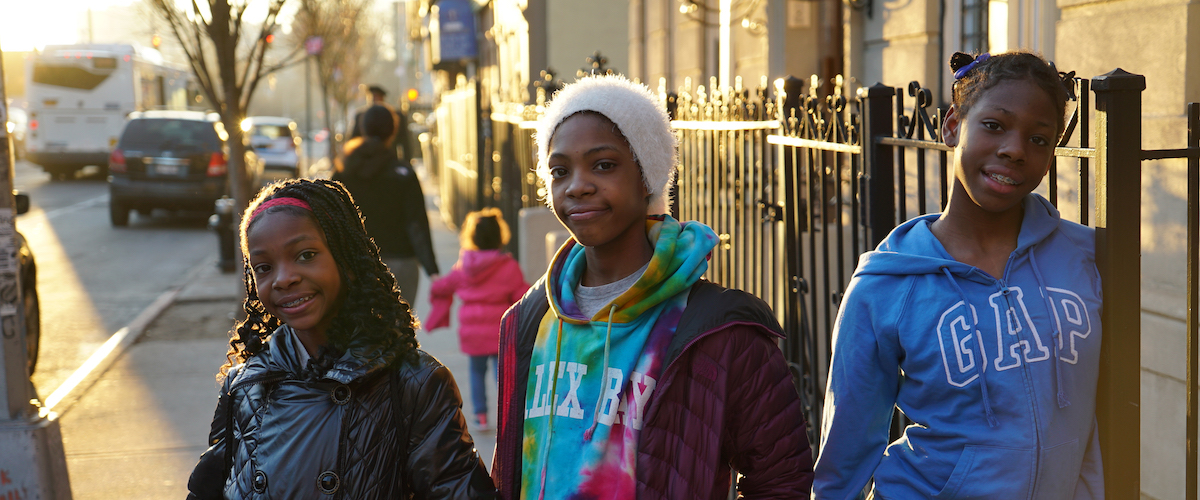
pixel 987 403
pixel 553 395
pixel 587 435
pixel 1063 402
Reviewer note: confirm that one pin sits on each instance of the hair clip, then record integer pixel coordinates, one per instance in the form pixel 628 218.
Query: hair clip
pixel 1068 83
pixel 961 72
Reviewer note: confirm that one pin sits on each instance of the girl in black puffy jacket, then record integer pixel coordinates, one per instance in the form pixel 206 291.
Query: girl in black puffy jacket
pixel 325 394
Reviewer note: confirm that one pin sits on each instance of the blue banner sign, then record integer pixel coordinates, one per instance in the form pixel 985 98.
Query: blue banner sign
pixel 453 34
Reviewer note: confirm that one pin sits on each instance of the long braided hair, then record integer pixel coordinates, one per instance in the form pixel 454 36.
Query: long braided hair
pixel 373 320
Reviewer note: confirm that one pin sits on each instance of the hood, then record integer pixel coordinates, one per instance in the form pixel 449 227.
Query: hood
pixel 681 251
pixel 912 248
pixel 481 265
pixel 369 158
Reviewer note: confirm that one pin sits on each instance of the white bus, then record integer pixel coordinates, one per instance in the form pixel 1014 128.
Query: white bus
pixel 79 96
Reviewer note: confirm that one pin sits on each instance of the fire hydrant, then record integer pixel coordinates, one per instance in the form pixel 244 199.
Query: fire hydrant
pixel 222 223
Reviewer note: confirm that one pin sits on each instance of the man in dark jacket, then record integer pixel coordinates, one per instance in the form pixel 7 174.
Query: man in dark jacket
pixel 376 95
pixel 389 195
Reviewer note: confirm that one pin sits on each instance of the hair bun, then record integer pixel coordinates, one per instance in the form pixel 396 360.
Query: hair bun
pixel 959 60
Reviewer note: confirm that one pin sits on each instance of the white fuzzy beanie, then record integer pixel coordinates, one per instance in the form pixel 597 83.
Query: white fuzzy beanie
pixel 640 117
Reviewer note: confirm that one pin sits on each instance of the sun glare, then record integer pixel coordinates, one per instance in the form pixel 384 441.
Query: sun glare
pixel 28 25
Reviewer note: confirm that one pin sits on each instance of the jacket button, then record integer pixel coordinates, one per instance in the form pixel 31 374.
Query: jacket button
pixel 328 482
pixel 260 482
pixel 340 394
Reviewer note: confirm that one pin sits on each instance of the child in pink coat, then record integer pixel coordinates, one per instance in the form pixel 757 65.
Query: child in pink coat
pixel 487 280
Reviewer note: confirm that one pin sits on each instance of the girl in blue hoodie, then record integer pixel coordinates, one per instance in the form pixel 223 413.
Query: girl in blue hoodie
pixel 982 323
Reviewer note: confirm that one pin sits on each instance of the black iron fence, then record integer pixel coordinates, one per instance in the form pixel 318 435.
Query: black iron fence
pixel 798 185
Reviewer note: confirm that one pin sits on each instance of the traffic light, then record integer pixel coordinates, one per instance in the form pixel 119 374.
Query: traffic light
pixel 412 95
pixel 270 38
pixel 156 40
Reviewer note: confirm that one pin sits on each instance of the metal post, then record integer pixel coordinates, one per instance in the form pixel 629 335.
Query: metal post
pixel 1118 257
pixel 32 461
pixel 879 184
pixel 1193 304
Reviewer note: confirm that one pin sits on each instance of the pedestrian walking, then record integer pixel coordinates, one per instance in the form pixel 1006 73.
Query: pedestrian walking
pixel 623 374
pixel 389 195
pixel 981 324
pixel 327 393
pixel 488 281
pixel 376 95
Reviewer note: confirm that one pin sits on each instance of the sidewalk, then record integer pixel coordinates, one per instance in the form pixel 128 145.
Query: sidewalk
pixel 137 432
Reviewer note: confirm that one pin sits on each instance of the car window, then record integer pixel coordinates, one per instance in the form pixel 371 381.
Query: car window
pixel 272 131
pixel 154 133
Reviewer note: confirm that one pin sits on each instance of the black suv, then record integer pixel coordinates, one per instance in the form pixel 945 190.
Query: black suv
pixel 175 160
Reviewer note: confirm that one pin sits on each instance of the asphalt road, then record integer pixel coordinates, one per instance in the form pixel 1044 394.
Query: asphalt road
pixel 93 279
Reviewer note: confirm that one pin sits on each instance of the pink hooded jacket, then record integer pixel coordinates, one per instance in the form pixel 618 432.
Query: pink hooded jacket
pixel 487 282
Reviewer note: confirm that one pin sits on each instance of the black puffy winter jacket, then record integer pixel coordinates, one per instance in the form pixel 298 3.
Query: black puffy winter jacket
pixel 335 432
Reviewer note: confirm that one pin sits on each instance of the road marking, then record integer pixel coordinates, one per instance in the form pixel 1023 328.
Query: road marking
pixel 30 226
pixel 51 214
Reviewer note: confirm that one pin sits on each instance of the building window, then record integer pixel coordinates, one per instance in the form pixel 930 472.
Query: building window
pixel 975 26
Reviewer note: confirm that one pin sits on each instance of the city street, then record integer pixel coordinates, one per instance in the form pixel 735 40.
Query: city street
pixel 94 279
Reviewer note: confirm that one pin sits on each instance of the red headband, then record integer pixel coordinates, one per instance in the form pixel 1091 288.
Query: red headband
pixel 274 202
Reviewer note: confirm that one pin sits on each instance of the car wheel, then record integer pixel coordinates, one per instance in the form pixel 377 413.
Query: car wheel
pixel 33 326
pixel 119 213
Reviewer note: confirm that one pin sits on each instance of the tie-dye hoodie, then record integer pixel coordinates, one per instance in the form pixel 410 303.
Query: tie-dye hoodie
pixel 592 378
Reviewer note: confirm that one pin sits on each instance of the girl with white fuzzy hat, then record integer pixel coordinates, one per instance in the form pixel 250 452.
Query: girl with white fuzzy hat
pixel 624 374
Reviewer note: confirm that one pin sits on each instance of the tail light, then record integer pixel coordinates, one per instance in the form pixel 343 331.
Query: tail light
pixel 116 161
pixel 217 165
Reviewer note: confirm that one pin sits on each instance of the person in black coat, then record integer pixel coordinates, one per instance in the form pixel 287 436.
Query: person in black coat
pixel 389 195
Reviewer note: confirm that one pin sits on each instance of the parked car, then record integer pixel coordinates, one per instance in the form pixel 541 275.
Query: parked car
pixel 28 270
pixel 276 141
pixel 175 160
pixel 18 127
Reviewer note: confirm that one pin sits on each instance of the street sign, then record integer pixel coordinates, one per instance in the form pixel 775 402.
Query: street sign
pixel 313 45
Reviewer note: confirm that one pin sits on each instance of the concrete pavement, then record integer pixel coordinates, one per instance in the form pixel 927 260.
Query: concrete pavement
pixel 135 430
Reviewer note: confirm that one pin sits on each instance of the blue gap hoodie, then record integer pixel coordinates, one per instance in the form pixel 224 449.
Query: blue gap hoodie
pixel 998 375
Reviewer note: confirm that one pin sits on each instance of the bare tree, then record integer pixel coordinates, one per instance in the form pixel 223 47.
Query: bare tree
pixel 350 41
pixel 227 54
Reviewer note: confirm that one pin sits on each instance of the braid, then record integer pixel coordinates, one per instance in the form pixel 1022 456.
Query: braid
pixel 987 72
pixel 374 320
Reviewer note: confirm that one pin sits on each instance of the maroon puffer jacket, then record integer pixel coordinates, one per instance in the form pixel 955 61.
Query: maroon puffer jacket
pixel 725 400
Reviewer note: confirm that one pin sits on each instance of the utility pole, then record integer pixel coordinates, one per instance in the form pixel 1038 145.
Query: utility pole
pixel 32 461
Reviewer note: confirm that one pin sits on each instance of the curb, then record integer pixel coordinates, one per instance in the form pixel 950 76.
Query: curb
pixel 71 390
